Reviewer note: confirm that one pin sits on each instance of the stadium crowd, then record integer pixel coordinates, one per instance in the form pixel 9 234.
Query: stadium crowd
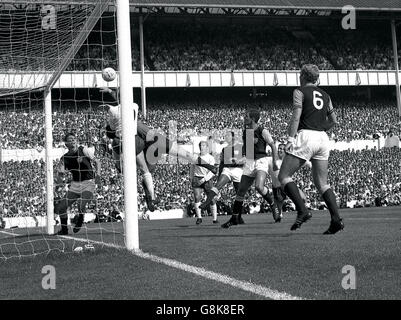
pixel 357 121
pixel 241 46
pixel 360 178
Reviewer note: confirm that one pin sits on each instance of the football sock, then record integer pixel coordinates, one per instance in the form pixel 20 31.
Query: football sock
pixel 267 196
pixel 148 185
pixel 198 210
pixel 64 222
pixel 330 200
pixel 213 209
pixel 292 191
pixel 237 207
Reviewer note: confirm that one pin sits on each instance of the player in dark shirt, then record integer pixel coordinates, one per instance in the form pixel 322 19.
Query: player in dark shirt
pixel 229 170
pixel 78 160
pixel 256 165
pixel 313 115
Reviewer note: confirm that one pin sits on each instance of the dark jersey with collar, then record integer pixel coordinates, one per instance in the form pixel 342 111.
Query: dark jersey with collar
pixel 259 143
pixel 79 165
pixel 316 106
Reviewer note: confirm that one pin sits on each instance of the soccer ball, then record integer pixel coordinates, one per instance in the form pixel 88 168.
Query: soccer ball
pixel 108 74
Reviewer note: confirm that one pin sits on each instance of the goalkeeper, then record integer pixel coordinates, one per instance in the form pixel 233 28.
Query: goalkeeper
pixel 149 146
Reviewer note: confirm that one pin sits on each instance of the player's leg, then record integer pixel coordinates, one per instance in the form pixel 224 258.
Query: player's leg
pixel 236 186
pixel 245 184
pixel 197 199
pixel 319 174
pixel 158 144
pixel 214 191
pixel 303 196
pixel 213 206
pixel 116 153
pixel 147 180
pixel 289 166
pixel 61 209
pixel 260 179
pixel 86 197
pixel 279 197
pixel 175 149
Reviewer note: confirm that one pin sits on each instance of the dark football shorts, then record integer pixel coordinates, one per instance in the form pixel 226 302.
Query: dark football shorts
pixel 205 186
pixel 140 141
pixel 117 145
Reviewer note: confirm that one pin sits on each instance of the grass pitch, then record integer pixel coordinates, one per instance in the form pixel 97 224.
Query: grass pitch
pixel 303 263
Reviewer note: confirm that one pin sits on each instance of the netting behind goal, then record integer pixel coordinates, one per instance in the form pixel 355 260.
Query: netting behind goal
pixel 38 43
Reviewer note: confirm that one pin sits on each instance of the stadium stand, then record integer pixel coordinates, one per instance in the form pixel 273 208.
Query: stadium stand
pixel 357 120
pixel 367 177
pixel 233 46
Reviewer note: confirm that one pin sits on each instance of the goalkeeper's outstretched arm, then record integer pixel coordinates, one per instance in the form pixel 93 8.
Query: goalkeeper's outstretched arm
pixel 113 93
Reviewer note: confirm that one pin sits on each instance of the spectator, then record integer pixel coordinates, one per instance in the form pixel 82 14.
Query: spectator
pixel 391 140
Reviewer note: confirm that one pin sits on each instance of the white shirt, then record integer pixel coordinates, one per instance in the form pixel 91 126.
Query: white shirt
pixel 201 171
pixel 114 117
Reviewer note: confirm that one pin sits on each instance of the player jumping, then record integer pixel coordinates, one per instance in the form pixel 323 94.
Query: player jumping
pixel 149 146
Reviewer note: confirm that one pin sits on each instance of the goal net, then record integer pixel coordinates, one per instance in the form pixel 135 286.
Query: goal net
pixel 54 51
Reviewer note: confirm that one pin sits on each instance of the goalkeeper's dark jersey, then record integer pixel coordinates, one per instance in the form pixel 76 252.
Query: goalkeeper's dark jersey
pixel 79 165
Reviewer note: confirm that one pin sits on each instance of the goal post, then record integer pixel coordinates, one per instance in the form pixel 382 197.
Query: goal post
pixel 49 162
pixel 31 66
pixel 128 125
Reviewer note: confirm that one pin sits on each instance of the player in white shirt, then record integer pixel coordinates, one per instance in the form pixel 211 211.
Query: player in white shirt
pixel 202 173
pixel 149 146
pixel 229 170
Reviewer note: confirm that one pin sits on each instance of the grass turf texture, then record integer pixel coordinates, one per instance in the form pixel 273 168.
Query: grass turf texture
pixel 303 263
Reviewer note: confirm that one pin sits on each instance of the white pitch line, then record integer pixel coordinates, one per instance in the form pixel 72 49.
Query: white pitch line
pixel 218 277
pixel 9 233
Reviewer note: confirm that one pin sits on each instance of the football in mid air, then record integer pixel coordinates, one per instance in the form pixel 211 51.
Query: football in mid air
pixel 108 74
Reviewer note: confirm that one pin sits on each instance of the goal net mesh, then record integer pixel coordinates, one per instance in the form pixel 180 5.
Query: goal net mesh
pixel 63 45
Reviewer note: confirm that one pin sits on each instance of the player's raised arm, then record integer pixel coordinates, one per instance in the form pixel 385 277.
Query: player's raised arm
pixel 111 92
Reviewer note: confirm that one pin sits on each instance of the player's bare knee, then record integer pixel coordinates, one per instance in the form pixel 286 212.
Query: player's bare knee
pixel 284 181
pixel 323 189
pixel 260 188
pixel 282 178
